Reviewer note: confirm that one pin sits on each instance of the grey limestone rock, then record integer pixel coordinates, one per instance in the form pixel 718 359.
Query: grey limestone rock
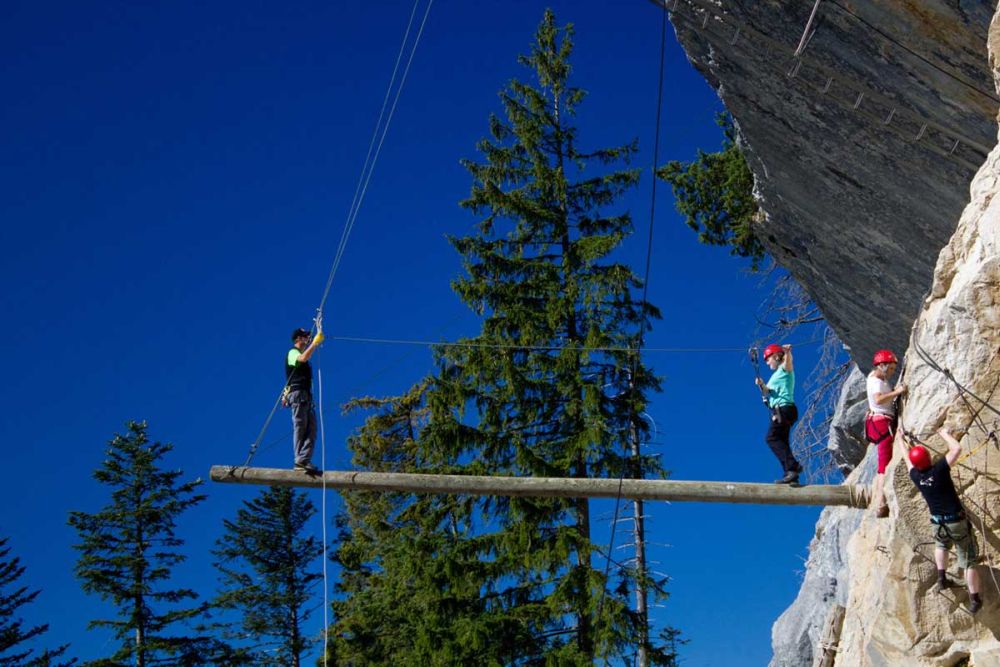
pixel 862 148
pixel 846 442
pixel 798 630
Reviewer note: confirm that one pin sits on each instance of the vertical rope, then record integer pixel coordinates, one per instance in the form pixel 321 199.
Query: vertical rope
pixel 352 217
pixel 982 529
pixel 322 445
pixel 362 186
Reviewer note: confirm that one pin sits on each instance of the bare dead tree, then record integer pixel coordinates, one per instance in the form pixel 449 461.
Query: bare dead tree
pixel 788 311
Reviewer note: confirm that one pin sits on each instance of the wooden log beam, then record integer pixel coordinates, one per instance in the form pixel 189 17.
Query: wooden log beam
pixel 644 489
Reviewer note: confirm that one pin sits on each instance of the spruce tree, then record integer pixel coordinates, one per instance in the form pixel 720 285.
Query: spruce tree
pixel 552 385
pixel 265 560
pixel 128 550
pixel 13 633
pixel 714 193
pixel 408 585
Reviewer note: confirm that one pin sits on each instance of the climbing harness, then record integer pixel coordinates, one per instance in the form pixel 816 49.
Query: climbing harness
pixel 280 401
pixel 873 433
pixel 942 521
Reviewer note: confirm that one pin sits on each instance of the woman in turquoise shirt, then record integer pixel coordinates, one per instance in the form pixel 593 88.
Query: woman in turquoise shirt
pixel 780 391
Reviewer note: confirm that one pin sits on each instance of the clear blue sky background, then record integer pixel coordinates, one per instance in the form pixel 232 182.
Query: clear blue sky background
pixel 175 180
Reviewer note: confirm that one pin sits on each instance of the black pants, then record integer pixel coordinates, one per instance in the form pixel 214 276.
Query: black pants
pixel 782 419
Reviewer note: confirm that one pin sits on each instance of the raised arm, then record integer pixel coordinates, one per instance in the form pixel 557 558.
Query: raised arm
pixel 954 448
pixel 788 357
pixel 315 343
pixel 887 397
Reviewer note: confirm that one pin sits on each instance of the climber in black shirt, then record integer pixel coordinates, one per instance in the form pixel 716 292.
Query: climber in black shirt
pixel 298 395
pixel 947 514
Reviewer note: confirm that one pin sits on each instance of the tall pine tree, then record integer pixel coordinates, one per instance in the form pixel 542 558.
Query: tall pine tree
pixel 410 580
pixel 265 560
pixel 550 387
pixel 13 633
pixel 128 550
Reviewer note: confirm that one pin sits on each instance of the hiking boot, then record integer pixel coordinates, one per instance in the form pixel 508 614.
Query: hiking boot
pixel 307 467
pixel 942 585
pixel 882 512
pixel 791 478
pixel 975 604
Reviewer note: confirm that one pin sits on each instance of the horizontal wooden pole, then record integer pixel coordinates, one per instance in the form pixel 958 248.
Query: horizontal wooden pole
pixel 640 489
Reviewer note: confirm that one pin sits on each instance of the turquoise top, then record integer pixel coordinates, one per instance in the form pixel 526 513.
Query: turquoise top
pixel 781 388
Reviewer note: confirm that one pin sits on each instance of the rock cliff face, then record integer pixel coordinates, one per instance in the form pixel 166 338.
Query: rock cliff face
pixel 799 631
pixel 846 442
pixel 863 150
pixel 863 147
pixel 893 617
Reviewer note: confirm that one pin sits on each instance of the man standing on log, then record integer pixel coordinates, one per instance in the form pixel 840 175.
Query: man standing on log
pixel 947 514
pixel 298 396
pixel 779 392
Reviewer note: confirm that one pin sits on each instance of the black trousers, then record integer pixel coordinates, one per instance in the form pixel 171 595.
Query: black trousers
pixel 782 419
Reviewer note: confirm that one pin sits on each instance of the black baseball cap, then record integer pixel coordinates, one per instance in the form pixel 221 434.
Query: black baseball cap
pixel 299 333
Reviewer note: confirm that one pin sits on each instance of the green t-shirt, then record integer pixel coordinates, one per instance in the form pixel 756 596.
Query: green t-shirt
pixel 293 356
pixel 781 388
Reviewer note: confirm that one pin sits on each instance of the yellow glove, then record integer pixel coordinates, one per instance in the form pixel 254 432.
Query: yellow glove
pixel 318 338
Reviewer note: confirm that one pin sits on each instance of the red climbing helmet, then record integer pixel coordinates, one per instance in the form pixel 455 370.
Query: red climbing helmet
pixel 885 357
pixel 772 349
pixel 919 457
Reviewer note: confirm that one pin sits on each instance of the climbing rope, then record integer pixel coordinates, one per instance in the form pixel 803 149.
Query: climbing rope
pixel 361 189
pixel 982 522
pixel 544 348
pixel 964 391
pixel 752 352
pixel 976 419
pixel 371 159
pixel 326 585
pixel 255 445
pixel 359 198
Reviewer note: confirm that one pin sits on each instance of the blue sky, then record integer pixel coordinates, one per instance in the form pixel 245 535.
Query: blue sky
pixel 175 180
